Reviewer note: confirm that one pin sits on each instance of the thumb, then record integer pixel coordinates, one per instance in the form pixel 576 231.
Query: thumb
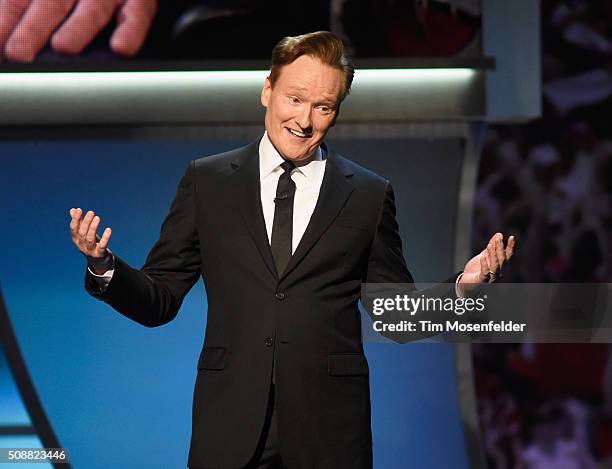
pixel 101 248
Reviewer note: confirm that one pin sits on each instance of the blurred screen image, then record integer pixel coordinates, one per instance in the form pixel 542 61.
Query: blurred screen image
pixel 107 31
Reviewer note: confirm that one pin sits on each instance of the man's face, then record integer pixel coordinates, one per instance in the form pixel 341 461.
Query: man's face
pixel 302 106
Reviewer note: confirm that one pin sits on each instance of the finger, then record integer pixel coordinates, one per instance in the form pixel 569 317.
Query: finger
pixel 11 12
pixel 85 224
pixel 103 243
pixel 490 270
pixel 86 21
pixel 484 267
pixel 34 29
pixel 492 256
pixel 510 247
pixel 134 22
pixel 75 222
pixel 500 253
pixel 90 237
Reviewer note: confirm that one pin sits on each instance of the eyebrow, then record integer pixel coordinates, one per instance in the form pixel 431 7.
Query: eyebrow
pixel 301 89
pixel 297 88
pixel 326 101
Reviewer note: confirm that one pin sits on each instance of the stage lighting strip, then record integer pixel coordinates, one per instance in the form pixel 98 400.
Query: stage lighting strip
pixel 69 80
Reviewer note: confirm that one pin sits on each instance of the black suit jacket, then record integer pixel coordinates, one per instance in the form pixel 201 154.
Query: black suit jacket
pixel 308 316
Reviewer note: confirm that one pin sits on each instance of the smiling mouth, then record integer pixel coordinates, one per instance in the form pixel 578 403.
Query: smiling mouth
pixel 299 134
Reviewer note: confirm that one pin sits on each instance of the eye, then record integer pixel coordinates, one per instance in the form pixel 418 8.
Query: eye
pixel 325 109
pixel 294 100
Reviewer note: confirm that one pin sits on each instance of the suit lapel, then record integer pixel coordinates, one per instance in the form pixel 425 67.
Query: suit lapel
pixel 247 189
pixel 335 190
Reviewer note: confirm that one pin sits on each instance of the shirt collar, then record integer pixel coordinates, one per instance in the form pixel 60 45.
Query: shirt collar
pixel 270 159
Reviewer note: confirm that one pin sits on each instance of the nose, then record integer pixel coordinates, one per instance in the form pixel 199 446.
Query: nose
pixel 303 119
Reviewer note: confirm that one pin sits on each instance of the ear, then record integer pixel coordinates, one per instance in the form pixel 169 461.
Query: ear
pixel 265 92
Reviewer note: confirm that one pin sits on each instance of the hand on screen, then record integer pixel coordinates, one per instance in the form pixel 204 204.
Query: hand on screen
pixel 83 232
pixel 26 26
pixel 486 267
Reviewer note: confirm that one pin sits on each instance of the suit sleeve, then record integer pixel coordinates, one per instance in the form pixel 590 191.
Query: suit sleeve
pixel 386 265
pixel 153 294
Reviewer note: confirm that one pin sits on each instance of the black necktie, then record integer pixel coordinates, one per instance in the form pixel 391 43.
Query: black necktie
pixel 282 227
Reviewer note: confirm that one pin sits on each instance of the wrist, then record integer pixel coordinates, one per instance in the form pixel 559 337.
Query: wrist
pixel 100 265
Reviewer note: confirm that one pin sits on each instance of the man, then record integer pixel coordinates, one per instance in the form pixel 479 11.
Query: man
pixel 283 232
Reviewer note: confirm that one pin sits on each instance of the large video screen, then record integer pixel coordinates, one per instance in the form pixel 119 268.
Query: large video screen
pixel 153 34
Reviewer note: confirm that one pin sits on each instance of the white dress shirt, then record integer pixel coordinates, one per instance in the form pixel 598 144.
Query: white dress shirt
pixel 307 176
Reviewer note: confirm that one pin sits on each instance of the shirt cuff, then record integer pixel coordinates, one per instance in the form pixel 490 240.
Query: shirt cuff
pixel 104 279
pixel 106 275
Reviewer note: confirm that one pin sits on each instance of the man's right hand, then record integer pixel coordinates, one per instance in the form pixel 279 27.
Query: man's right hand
pixel 83 232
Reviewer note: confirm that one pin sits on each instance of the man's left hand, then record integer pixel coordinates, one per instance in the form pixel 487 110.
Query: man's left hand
pixel 486 267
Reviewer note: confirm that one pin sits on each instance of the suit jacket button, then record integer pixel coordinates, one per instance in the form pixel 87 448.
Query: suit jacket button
pixel 268 341
pixel 280 295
